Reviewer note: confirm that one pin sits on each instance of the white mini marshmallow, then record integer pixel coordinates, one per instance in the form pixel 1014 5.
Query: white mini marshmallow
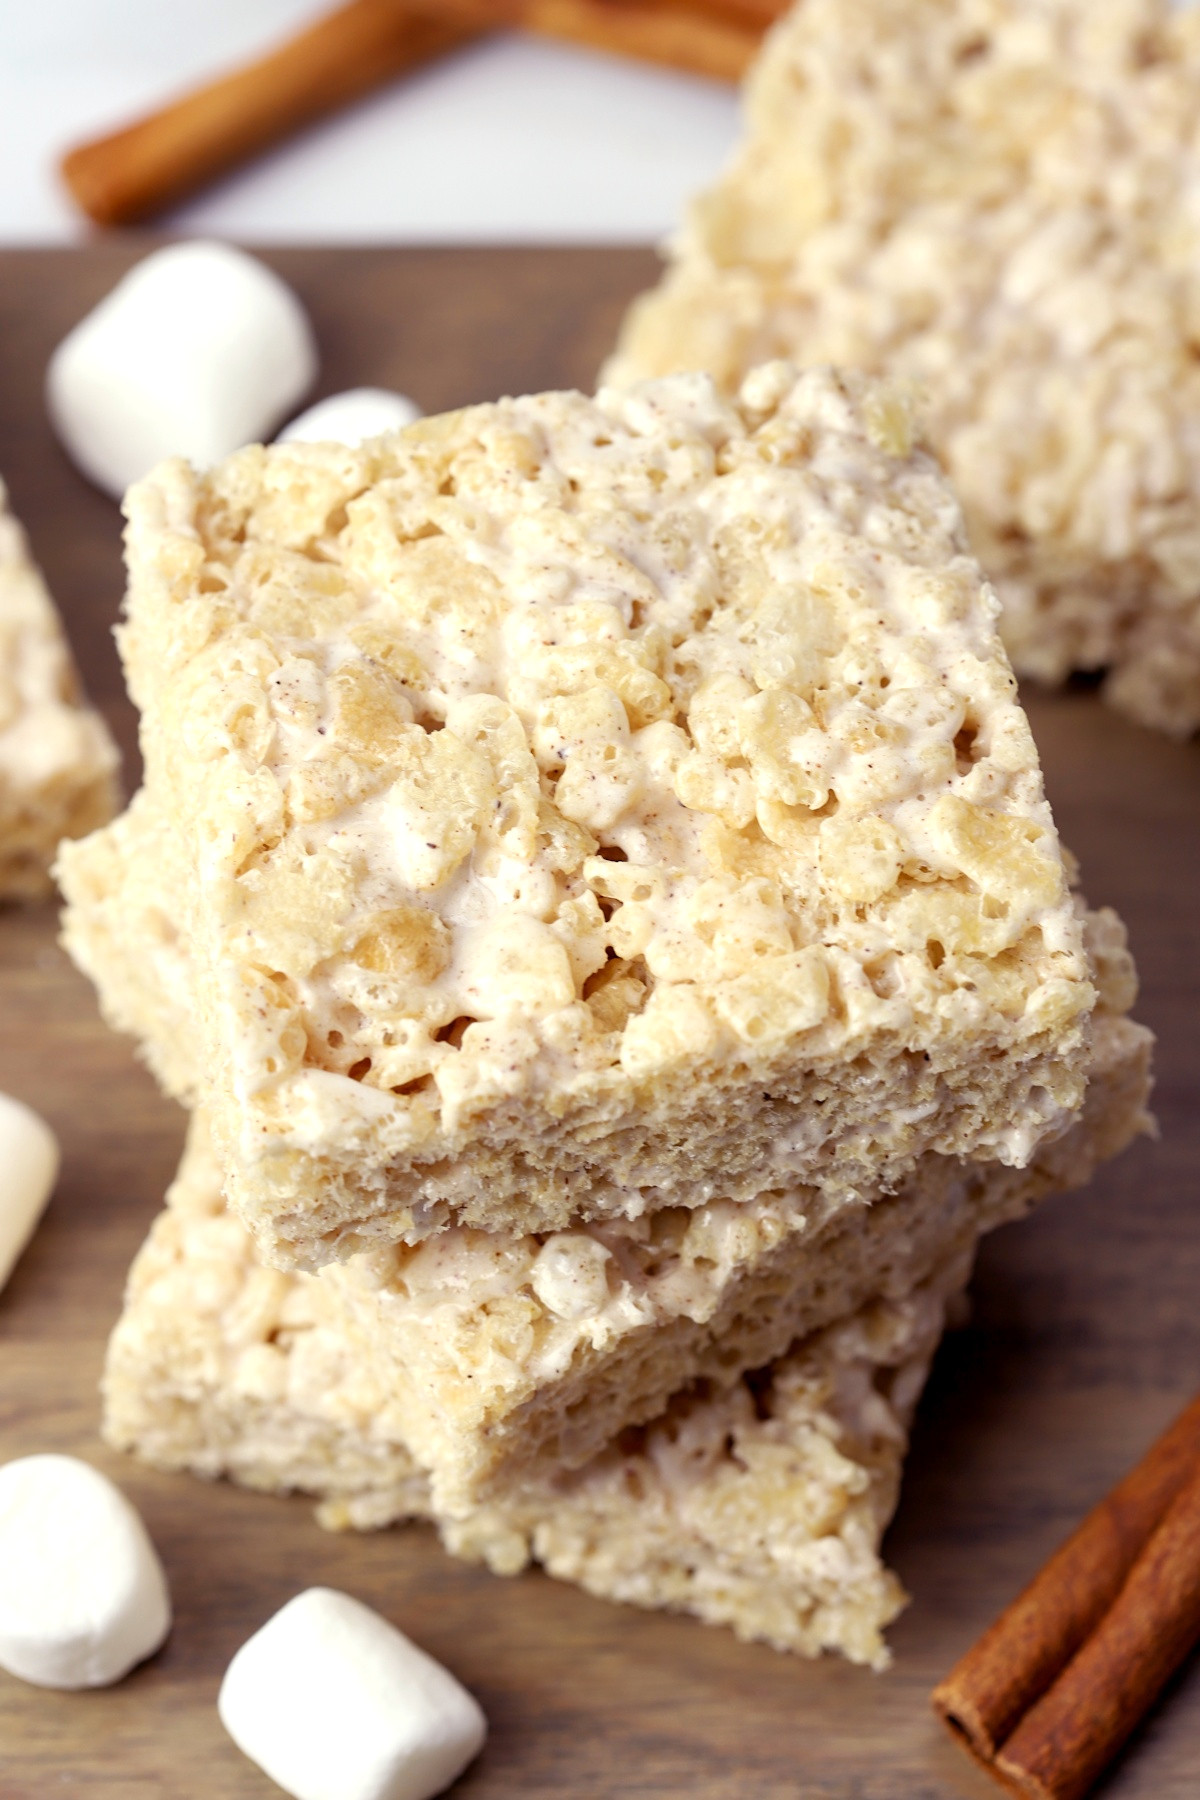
pixel 82 1593
pixel 351 418
pixel 198 350
pixel 570 1275
pixel 333 1703
pixel 28 1171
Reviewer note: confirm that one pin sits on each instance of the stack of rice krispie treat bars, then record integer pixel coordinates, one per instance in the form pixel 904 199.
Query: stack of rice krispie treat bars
pixel 57 762
pixel 594 889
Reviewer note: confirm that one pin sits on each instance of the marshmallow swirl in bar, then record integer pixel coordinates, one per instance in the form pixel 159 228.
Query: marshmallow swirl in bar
pixel 580 807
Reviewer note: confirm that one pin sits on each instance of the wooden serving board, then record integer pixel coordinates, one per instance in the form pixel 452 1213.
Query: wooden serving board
pixel 1086 1329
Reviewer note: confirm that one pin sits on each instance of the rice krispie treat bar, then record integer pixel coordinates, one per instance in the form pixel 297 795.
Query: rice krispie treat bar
pixel 581 807
pixel 57 761
pixel 995 200
pixel 759 1506
pixel 506 1360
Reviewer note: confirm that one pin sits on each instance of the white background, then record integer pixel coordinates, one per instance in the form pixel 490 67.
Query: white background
pixel 513 139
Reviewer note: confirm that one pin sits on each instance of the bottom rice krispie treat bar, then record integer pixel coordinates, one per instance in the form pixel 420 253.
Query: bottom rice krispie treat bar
pixel 759 1504
pixel 506 1358
pixel 760 1507
pixel 57 761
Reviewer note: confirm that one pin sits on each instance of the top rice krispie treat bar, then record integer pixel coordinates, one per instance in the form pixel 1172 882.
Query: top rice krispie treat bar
pixel 585 806
pixel 995 199
pixel 57 761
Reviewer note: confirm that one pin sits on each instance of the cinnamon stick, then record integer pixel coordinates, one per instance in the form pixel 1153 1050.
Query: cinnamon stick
pixel 1075 1730
pixel 161 159
pixel 752 15
pixel 1053 1688
pixel 151 164
pixel 700 42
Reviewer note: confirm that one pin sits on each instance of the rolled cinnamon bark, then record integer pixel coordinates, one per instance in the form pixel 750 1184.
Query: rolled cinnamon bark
pixel 161 159
pixel 697 40
pixel 751 15
pixel 1075 1730
pixel 1121 1586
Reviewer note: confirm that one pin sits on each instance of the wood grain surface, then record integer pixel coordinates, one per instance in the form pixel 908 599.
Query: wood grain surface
pixel 1085 1335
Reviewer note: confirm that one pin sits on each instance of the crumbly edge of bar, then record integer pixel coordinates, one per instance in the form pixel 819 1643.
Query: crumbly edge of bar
pixel 122 929
pixel 467 1391
pixel 57 761
pixel 891 1245
pixel 820 632
pixel 119 928
pixel 493 1390
pixel 1125 621
pixel 1059 378
pixel 877 1116
pixel 760 1507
